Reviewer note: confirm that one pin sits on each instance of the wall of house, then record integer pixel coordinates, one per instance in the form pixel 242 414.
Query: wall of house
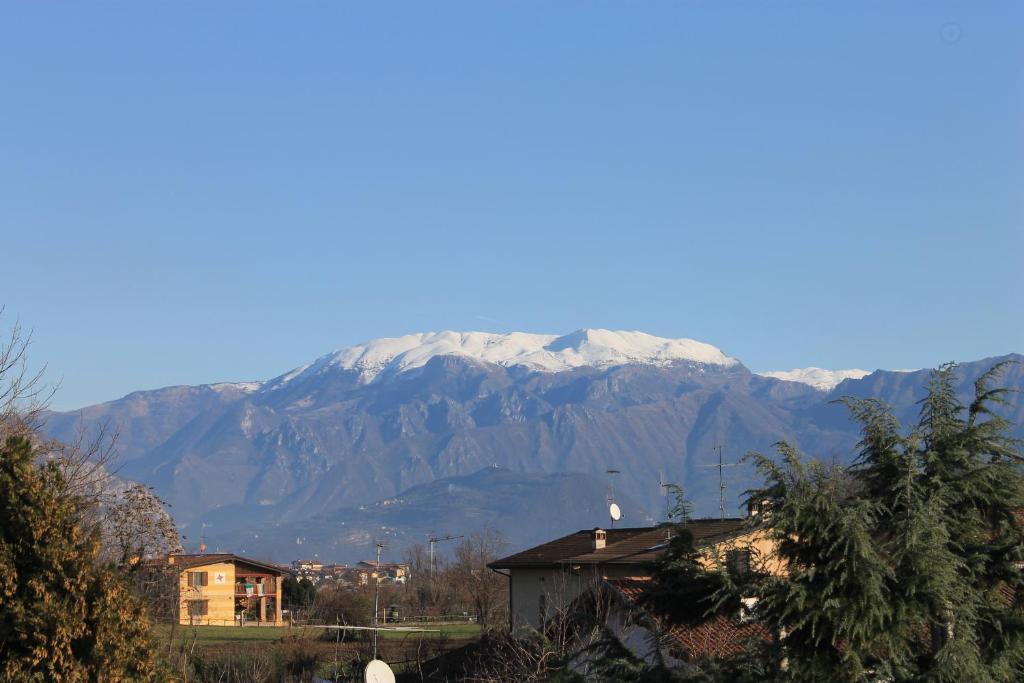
pixel 763 557
pixel 559 587
pixel 220 592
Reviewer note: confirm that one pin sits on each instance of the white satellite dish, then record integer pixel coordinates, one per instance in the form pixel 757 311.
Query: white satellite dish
pixel 614 512
pixel 379 672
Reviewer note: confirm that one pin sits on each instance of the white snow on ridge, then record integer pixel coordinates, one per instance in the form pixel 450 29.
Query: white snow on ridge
pixel 540 352
pixel 244 387
pixel 819 378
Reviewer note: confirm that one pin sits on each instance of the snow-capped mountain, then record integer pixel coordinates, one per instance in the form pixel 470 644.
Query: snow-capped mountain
pixel 538 352
pixel 365 423
pixel 819 378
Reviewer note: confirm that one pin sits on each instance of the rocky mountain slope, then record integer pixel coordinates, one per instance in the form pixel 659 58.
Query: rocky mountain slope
pixel 364 424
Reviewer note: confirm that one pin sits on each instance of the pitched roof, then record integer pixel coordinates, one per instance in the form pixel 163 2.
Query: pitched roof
pixel 629 546
pixel 719 636
pixel 188 561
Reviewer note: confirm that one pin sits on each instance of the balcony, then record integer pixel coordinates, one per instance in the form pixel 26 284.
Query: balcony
pixel 254 589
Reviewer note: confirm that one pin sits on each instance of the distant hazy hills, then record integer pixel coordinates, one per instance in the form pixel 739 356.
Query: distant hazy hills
pixel 527 509
pixel 292 458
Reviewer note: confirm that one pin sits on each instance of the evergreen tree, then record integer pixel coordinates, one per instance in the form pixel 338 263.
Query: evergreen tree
pixel 63 617
pixel 907 565
pixel 833 604
pixel 297 594
pixel 682 589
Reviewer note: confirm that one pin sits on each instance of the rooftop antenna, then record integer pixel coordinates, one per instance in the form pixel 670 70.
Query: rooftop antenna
pixel 721 480
pixel 614 511
pixel 663 487
pixel 437 539
pixel 376 597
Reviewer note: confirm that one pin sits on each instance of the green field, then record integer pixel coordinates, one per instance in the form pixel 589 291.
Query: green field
pixel 226 634
pixel 212 635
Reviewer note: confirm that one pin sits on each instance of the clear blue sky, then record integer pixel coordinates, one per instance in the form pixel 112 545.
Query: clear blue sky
pixel 203 192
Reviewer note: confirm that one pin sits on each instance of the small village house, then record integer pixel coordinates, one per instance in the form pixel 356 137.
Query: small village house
pixel 224 590
pixel 547 578
pixel 613 566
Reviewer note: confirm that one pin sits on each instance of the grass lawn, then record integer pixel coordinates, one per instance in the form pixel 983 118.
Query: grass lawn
pixel 213 635
pixel 207 635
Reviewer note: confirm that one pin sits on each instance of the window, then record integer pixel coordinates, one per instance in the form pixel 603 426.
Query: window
pixel 542 607
pixel 737 562
pixel 197 579
pixel 198 608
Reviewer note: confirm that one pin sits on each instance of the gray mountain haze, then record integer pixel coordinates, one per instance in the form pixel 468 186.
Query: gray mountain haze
pixel 526 508
pixel 450 432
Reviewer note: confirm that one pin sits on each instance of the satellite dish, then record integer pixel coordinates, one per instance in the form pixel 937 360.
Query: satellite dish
pixel 614 512
pixel 379 672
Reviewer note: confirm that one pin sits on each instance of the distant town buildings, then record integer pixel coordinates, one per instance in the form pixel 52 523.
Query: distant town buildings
pixel 362 574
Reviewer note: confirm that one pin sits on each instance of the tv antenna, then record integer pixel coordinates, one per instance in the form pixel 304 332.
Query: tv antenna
pixel 614 511
pixel 663 489
pixel 437 539
pixel 721 480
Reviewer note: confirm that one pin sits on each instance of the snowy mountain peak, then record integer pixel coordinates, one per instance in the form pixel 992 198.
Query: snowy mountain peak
pixel 540 352
pixel 819 378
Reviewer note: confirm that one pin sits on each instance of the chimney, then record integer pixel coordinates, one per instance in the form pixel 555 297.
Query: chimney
pixel 599 537
pixel 759 509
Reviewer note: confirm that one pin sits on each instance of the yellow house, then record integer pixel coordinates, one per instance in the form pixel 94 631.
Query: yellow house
pixel 224 590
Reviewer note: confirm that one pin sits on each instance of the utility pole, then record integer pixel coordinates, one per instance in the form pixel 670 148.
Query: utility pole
pixel 435 539
pixel 376 598
pixel 721 480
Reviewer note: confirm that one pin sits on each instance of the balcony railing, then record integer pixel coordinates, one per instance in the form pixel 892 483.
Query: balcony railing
pixel 255 589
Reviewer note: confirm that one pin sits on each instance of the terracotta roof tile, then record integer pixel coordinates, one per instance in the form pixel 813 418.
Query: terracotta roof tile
pixel 716 637
pixel 719 637
pixel 186 561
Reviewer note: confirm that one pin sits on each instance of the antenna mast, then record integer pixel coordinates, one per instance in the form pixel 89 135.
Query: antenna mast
pixel 664 486
pixel 435 539
pixel 613 509
pixel 721 480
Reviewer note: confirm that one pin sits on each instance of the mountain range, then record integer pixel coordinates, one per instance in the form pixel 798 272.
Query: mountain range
pixel 446 432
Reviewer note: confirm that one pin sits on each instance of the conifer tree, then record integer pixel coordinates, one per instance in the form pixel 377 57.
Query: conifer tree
pixel 63 617
pixel 682 589
pixel 906 566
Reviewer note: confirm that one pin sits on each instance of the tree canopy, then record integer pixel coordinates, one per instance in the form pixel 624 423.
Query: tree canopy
pixel 905 566
pixel 63 615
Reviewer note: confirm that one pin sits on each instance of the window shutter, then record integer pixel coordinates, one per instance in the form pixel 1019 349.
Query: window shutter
pixel 737 562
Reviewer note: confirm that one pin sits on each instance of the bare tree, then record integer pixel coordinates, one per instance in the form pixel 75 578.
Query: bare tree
pixel 139 527
pixel 131 519
pixel 23 394
pixel 483 589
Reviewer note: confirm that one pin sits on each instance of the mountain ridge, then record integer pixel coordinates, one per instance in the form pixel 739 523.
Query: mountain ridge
pixel 327 440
